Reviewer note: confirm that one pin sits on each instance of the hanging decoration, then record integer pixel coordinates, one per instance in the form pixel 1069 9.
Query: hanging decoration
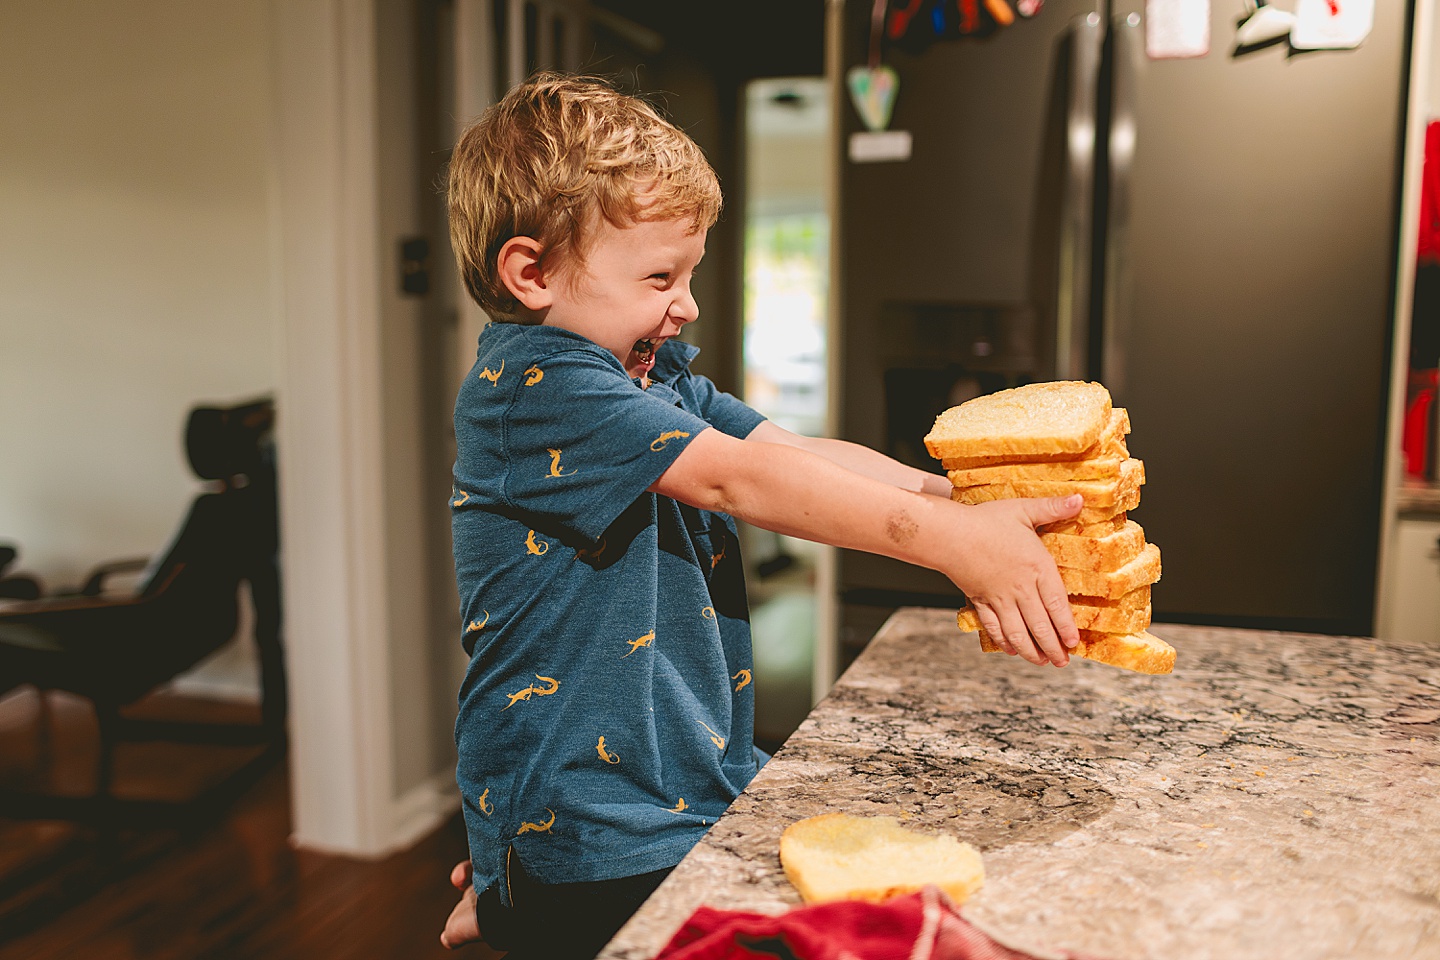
pixel 874 86
pixel 915 24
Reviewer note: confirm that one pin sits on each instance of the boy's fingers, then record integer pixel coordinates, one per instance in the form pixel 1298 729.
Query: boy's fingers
pixel 1010 623
pixel 1037 620
pixel 460 875
pixel 1057 607
pixel 461 927
pixel 991 624
pixel 1042 510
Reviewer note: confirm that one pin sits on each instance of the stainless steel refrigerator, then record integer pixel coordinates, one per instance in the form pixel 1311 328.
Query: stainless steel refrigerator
pixel 1213 238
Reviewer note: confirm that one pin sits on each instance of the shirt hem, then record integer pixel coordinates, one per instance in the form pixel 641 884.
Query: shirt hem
pixel 606 867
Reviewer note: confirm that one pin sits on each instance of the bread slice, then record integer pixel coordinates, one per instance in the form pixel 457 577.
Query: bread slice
pixel 1136 599
pixel 1090 514
pixel 1108 552
pixel 1111 445
pixel 1100 528
pixel 1058 417
pixel 1144 569
pixel 1103 492
pixel 837 856
pixel 1141 651
pixel 1103 468
pixel 1129 613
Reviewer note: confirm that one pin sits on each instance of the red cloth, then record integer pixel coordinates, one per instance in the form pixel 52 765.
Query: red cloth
pixel 918 926
pixel 1416 438
pixel 1429 245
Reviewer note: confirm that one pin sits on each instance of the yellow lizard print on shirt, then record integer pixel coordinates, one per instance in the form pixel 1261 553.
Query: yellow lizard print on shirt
pixel 486 808
pixel 606 755
pixel 541 691
pixel 533 376
pixel 679 806
pixel 477 625
pixel 460 502
pixel 538 827
pixel 645 641
pixel 744 677
pixel 591 555
pixel 717 558
pixel 708 613
pixel 659 442
pixel 536 549
pixel 555 469
pixel 715 738
pixel 492 375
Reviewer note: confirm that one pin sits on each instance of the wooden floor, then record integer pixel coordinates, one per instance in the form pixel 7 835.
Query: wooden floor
pixel 220 885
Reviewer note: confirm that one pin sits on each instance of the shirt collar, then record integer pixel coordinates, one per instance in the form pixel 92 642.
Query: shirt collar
pixel 671 360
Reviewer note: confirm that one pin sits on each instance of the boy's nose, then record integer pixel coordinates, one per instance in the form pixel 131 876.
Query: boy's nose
pixel 685 309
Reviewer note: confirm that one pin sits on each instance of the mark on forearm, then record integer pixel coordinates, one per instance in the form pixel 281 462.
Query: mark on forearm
pixel 901 529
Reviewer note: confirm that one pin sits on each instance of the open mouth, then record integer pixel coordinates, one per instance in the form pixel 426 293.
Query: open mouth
pixel 645 351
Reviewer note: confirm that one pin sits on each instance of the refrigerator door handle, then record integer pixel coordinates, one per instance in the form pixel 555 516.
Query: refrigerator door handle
pixel 1127 47
pixel 1072 308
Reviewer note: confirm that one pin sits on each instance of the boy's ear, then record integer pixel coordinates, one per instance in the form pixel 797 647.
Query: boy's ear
pixel 520 270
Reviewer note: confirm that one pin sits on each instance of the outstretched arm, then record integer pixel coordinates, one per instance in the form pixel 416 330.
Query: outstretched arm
pixel 990 550
pixel 857 458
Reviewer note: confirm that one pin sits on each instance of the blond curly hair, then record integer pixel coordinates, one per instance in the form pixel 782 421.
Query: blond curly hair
pixel 553 156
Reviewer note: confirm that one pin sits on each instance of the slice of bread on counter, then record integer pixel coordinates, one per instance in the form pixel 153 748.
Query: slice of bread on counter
pixel 838 856
pixel 1063 417
pixel 1110 446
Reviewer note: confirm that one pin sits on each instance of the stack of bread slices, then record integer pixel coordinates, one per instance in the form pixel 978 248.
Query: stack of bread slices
pixel 1056 439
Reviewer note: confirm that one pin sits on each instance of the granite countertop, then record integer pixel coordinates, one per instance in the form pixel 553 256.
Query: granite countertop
pixel 1277 796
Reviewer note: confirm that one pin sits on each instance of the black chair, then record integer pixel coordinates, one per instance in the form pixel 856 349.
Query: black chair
pixel 13 585
pixel 114 650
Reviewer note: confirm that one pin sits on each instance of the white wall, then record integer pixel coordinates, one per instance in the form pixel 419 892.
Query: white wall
pixel 201 202
pixel 135 261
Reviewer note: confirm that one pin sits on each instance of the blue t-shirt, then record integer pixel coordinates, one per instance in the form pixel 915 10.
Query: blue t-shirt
pixel 606 718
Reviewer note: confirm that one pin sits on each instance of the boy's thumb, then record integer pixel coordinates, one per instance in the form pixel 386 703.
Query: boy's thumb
pixel 1051 509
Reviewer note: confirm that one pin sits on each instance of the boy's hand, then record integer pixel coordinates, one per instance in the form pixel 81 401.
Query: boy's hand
pixel 461 927
pixel 1011 578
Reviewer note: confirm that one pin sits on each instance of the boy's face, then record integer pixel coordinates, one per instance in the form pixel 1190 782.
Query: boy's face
pixel 632 292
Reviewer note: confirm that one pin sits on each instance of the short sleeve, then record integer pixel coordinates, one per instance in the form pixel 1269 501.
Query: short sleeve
pixel 722 410
pixel 583 441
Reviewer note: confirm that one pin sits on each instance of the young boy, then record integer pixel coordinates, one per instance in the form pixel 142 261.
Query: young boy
pixel 605 719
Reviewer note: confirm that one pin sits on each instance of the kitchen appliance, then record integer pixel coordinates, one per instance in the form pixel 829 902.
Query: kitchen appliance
pixel 1214 238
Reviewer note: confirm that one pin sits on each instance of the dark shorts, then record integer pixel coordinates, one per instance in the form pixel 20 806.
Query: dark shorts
pixel 559 921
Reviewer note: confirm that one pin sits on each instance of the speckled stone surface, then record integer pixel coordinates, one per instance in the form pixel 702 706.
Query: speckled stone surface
pixel 1277 796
